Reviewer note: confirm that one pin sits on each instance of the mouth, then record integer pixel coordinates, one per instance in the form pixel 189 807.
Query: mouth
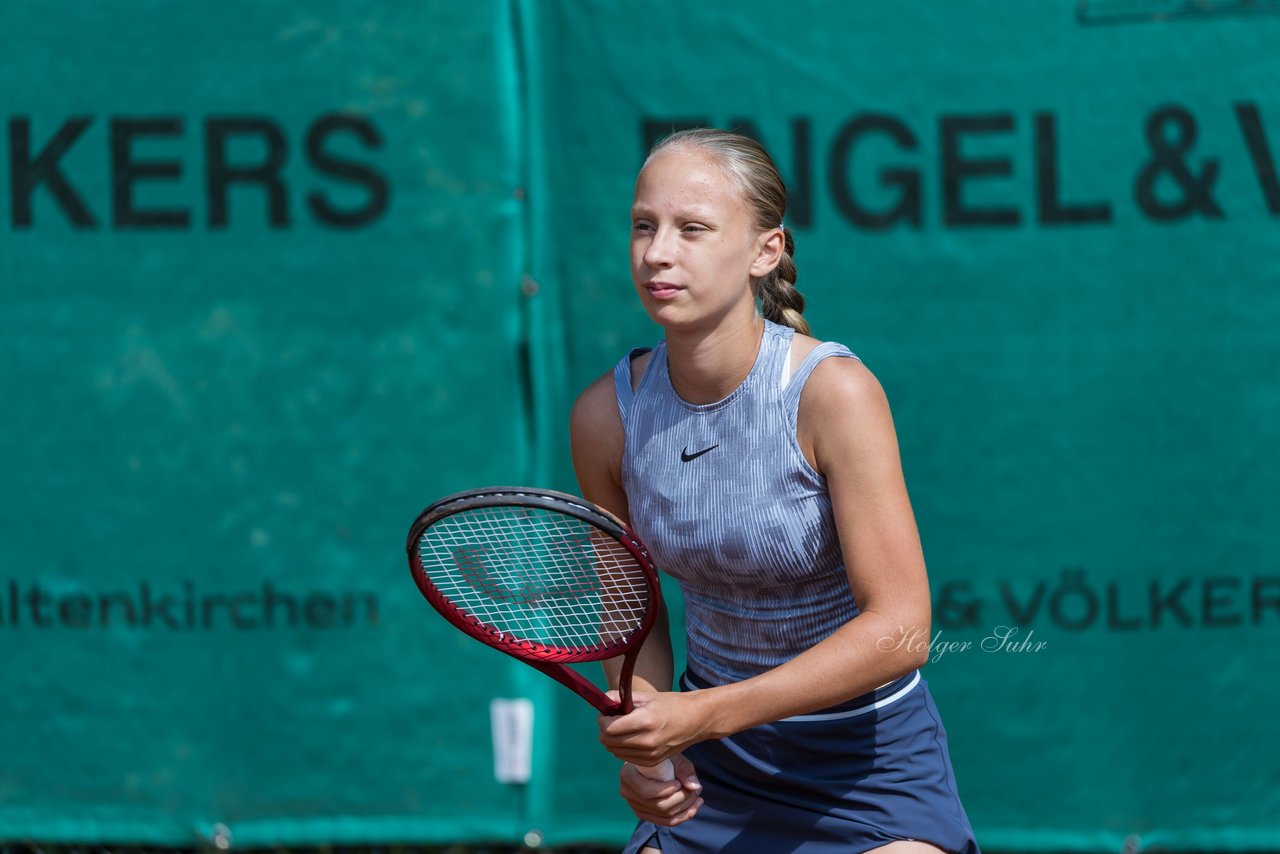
pixel 662 290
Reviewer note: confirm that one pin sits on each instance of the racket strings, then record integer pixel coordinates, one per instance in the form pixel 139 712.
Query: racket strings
pixel 537 575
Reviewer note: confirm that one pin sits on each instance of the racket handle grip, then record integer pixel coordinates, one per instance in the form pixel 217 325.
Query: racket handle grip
pixel 664 771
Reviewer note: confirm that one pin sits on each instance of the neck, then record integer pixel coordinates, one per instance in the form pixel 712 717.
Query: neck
pixel 707 365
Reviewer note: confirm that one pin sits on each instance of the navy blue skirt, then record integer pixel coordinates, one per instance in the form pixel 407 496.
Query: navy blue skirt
pixel 852 778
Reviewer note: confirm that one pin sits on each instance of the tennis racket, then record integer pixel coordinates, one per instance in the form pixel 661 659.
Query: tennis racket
pixel 543 576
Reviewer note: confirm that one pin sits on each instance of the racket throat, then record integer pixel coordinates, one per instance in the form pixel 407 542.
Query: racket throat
pixel 578 684
pixel 625 703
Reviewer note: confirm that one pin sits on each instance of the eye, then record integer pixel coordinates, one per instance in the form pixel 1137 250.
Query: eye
pixel 693 228
pixel 642 226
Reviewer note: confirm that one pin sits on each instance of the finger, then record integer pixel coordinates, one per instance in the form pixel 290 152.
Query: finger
pixel 689 813
pixel 676 803
pixel 638 748
pixel 686 773
pixel 642 698
pixel 668 820
pixel 635 756
pixel 603 720
pixel 619 725
pixel 663 803
pixel 625 749
pixel 669 804
pixel 646 787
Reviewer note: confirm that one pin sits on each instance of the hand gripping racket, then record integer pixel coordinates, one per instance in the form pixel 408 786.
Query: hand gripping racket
pixel 543 576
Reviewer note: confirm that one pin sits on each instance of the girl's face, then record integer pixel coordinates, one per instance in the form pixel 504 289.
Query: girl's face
pixel 694 248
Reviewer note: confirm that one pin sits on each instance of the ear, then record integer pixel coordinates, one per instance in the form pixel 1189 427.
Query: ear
pixel 769 248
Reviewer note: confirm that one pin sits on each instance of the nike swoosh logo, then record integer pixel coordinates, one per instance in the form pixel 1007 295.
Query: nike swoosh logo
pixel 685 456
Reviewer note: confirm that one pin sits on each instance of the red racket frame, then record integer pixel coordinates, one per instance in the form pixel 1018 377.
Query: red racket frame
pixel 551 660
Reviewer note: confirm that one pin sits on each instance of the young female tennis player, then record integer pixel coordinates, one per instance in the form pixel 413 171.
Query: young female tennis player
pixel 761 468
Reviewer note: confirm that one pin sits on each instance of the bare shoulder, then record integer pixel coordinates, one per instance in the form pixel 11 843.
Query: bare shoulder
pixel 844 413
pixel 824 373
pixel 596 442
pixel 842 382
pixel 596 410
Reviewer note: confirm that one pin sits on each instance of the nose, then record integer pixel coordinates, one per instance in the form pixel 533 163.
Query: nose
pixel 659 251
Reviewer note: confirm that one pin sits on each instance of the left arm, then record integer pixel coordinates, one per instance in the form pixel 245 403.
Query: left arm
pixel 846 430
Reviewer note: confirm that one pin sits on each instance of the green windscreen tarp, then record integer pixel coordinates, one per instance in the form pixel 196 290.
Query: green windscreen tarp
pixel 1052 230
pixel 260 272
pixel 275 276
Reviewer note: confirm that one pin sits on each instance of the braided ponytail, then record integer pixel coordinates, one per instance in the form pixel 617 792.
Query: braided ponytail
pixel 779 299
pixel 750 167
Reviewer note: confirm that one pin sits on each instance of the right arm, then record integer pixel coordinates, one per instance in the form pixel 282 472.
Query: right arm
pixel 597 441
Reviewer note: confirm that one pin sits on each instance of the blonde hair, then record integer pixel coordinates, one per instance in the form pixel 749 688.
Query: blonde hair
pixel 751 168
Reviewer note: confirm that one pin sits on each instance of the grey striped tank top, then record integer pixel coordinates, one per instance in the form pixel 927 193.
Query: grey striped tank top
pixel 729 506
